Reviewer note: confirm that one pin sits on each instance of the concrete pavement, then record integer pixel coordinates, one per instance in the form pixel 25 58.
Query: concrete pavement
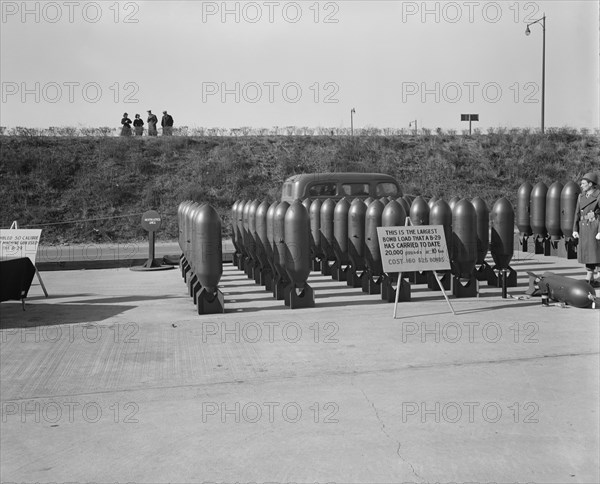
pixel 115 378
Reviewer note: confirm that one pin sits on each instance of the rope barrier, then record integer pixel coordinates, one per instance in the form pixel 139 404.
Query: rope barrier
pixel 84 220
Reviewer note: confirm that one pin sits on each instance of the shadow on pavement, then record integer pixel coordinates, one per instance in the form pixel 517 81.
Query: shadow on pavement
pixel 34 315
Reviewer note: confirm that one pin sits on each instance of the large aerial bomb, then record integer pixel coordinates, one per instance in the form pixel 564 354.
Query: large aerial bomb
pixel 235 236
pixel 482 268
pixel 255 272
pixel 315 234
pixel 263 251
pixel 340 240
pixel 502 245
pixel 242 235
pixel 464 249
pixel 185 235
pixel 441 214
pixel 394 215
pixel 297 293
pixel 577 293
pixel 281 279
pixel 327 209
pixel 568 203
pixel 192 281
pixel 207 252
pixel 553 215
pixel 181 220
pixel 419 215
pixel 523 217
pixel 537 217
pixel 248 241
pixel 372 279
pixel 356 242
pixel 270 246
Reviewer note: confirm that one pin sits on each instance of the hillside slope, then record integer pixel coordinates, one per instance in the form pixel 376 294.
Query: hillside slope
pixel 93 189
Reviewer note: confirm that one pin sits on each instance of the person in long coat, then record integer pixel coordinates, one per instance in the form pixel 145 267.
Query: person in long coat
pixel 126 122
pixel 587 226
pixel 152 122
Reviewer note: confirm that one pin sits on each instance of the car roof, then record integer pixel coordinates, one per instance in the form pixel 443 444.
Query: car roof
pixel 335 177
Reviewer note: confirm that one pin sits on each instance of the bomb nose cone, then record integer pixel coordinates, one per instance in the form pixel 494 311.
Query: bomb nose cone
pixel 419 211
pixel 393 215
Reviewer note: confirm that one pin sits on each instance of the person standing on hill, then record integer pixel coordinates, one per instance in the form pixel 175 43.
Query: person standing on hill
pixel 152 122
pixel 167 124
pixel 126 122
pixel 587 226
pixel 138 125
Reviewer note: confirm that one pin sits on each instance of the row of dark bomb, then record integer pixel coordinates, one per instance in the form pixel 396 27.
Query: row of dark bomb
pixel 202 255
pixel 278 244
pixel 548 214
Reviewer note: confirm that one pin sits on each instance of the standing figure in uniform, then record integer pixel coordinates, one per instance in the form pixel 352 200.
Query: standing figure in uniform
pixel 152 122
pixel 587 226
pixel 167 124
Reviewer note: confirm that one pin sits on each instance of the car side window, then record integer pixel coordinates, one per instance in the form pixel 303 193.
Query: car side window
pixel 386 190
pixel 355 189
pixel 321 190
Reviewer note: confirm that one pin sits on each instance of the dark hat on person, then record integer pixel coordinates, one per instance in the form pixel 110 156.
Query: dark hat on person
pixel 149 111
pixel 125 114
pixel 591 177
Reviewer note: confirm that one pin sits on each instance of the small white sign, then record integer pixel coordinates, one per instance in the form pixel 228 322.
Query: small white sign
pixel 413 248
pixel 18 243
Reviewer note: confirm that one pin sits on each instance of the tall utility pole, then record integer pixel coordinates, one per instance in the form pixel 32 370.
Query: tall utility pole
pixel 542 22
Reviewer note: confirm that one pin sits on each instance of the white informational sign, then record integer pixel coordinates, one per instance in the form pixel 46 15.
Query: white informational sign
pixel 18 243
pixel 413 248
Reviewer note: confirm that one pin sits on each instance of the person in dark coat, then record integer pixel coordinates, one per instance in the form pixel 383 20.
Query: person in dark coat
pixel 126 122
pixel 167 124
pixel 587 226
pixel 138 125
pixel 152 122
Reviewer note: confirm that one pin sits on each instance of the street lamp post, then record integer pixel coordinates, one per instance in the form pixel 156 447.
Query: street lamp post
pixel 542 22
pixel 415 123
pixel 352 111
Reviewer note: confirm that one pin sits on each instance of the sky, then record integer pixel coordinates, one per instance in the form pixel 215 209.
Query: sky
pixel 306 63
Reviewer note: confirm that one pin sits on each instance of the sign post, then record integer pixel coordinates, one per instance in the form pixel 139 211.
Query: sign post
pixel 414 248
pixel 469 118
pixel 151 223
